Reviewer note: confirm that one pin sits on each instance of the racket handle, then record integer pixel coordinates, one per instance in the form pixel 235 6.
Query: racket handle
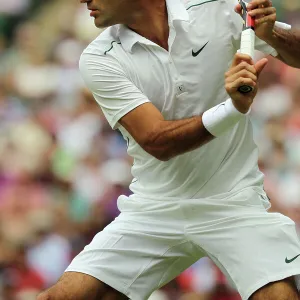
pixel 247 47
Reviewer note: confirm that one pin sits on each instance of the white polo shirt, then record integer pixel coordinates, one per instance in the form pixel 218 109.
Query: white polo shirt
pixel 124 70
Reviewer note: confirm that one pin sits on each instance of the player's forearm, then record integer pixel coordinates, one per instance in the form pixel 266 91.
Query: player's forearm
pixel 287 44
pixel 173 138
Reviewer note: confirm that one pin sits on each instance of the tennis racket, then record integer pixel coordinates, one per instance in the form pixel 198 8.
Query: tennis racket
pixel 247 40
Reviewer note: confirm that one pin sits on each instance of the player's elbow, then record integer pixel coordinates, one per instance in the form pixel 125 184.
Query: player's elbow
pixel 162 156
pixel 156 145
pixel 159 154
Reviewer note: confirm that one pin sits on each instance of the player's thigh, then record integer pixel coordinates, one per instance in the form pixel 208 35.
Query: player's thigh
pixel 262 254
pixel 144 248
pixel 252 249
pixel 137 261
pixel 280 290
pixel 79 286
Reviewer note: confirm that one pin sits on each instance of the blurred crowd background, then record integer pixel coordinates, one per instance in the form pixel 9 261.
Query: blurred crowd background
pixel 62 168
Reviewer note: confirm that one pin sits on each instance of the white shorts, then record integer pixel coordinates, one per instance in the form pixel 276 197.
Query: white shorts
pixel 154 240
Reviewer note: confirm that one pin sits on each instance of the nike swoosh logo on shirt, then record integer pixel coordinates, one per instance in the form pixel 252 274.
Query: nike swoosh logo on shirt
pixel 198 52
pixel 288 261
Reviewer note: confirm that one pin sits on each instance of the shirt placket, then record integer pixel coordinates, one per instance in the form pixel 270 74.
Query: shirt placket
pixel 175 75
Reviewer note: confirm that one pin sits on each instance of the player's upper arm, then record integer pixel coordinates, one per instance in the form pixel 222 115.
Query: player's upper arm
pixel 119 98
pixel 143 123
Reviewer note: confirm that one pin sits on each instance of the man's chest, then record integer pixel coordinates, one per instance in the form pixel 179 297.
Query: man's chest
pixel 189 78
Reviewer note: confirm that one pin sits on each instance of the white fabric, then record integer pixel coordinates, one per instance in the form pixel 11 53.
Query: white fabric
pixel 144 248
pixel 283 25
pixel 125 70
pixel 221 118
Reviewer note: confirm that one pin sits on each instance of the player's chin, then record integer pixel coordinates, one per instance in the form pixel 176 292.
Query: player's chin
pixel 98 23
pixel 102 23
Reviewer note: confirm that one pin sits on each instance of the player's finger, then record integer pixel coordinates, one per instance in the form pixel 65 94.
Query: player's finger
pixel 238 9
pixel 268 19
pixel 239 57
pixel 259 3
pixel 234 86
pixel 243 81
pixel 231 75
pixel 241 66
pixel 260 65
pixel 262 11
pixel 242 74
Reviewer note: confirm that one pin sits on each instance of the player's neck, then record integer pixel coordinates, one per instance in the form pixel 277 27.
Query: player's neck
pixel 152 23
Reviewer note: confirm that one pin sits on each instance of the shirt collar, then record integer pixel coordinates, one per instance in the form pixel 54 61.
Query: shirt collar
pixel 177 11
pixel 128 38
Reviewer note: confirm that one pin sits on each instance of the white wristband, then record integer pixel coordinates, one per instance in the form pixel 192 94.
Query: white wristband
pixel 283 25
pixel 221 118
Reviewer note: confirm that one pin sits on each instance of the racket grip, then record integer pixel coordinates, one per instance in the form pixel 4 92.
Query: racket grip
pixel 248 42
pixel 247 47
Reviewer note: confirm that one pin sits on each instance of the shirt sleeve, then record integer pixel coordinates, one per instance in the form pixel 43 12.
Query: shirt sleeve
pixel 110 86
pixel 264 48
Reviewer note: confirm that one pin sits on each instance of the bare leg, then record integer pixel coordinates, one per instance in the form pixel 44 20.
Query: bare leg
pixel 280 290
pixel 79 286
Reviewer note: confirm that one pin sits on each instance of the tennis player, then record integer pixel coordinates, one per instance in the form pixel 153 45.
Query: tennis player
pixel 157 73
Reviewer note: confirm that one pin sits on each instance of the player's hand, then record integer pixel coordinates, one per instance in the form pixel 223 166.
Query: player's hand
pixel 243 72
pixel 265 17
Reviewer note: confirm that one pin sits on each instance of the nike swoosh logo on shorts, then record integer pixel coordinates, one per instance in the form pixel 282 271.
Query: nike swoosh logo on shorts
pixel 288 261
pixel 198 52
